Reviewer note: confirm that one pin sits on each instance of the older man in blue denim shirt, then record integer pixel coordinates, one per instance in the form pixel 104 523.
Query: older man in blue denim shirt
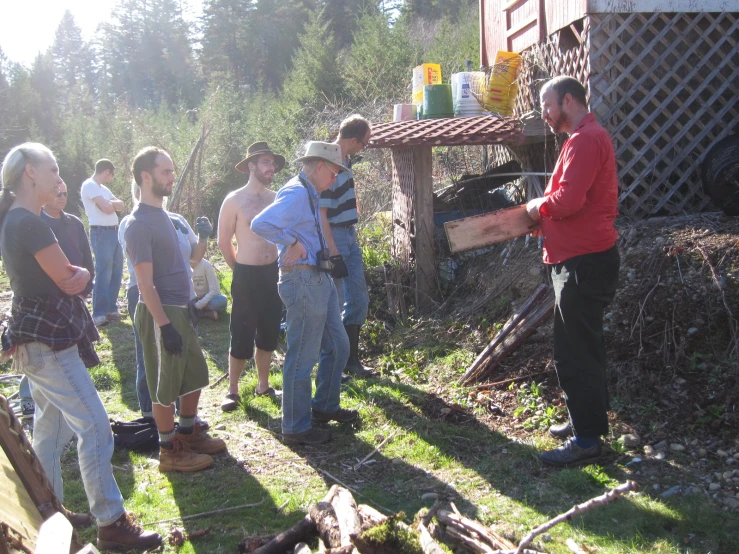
pixel 315 333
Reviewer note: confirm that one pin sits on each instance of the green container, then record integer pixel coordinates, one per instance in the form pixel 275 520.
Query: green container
pixel 437 101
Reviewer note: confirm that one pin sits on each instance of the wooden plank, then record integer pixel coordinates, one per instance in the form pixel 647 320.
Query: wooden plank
pixel 481 230
pixel 426 281
pixel 55 535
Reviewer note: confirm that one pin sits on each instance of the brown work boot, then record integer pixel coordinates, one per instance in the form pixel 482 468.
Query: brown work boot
pixel 182 458
pixel 78 521
pixel 123 534
pixel 199 441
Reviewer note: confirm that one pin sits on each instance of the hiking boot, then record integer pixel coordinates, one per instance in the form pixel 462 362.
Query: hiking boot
pixel 311 436
pixel 200 442
pixel 353 365
pixel 570 454
pixel 561 431
pixel 78 521
pixel 182 458
pixel 231 402
pixel 341 415
pixel 123 534
pixel 100 321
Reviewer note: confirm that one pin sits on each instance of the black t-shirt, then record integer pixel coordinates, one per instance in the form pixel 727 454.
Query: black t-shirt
pixel 23 235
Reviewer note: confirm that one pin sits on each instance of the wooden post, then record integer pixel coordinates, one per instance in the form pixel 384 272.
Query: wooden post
pixel 424 227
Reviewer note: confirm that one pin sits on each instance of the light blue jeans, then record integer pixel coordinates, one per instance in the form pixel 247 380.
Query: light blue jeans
pixel 351 290
pixel 142 389
pixel 314 335
pixel 108 270
pixel 67 404
pixel 217 303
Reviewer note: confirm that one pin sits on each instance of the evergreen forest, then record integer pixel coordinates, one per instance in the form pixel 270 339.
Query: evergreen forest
pixel 285 71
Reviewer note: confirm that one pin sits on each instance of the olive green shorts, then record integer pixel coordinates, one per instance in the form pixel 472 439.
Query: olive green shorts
pixel 168 376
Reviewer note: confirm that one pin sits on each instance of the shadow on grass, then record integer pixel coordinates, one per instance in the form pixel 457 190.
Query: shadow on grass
pixel 123 354
pixel 448 436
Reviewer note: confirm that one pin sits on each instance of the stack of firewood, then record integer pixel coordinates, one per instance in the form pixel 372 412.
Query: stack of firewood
pixel 518 328
pixel 343 527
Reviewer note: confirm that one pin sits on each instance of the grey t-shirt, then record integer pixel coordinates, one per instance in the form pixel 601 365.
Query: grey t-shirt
pixel 151 237
pixel 24 233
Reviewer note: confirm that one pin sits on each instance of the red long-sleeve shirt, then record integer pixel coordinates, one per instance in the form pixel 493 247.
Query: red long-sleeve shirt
pixel 582 196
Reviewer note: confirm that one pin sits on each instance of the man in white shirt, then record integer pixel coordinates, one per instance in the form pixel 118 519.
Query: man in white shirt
pixel 210 301
pixel 101 206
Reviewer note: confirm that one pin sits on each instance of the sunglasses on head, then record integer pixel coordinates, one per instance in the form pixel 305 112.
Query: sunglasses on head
pixel 59 195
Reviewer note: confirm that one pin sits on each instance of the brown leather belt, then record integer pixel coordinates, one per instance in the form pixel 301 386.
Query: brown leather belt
pixel 289 268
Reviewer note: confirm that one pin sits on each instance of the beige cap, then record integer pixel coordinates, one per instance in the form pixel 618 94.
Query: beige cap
pixel 326 151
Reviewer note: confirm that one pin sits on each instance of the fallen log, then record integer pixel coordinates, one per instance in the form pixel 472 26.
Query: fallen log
pixel 493 538
pixel 428 544
pixel 301 531
pixel 322 514
pixel 345 511
pixel 504 332
pixel 370 517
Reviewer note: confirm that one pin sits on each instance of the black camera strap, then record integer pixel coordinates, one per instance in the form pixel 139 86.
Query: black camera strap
pixel 313 211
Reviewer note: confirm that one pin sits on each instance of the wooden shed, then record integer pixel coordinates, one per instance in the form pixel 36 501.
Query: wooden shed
pixel 662 77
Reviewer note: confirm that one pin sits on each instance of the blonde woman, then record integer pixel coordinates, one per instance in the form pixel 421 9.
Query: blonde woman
pixel 50 338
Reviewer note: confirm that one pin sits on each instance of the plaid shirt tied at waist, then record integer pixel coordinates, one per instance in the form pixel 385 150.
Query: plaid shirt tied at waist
pixel 58 322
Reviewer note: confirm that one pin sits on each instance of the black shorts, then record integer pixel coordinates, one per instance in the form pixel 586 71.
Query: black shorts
pixel 256 309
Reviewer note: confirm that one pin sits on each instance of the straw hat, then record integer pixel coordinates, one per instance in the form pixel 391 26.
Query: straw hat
pixel 325 151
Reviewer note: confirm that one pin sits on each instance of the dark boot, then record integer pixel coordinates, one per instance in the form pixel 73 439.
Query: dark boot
pixel 353 365
pixel 124 534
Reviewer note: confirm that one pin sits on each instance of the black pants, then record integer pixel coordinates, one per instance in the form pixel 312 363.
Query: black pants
pixel 583 287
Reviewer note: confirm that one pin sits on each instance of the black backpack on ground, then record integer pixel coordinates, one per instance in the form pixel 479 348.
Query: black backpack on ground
pixel 139 435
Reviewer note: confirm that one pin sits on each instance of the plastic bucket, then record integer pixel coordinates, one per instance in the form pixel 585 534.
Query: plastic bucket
pixel 437 101
pixel 502 88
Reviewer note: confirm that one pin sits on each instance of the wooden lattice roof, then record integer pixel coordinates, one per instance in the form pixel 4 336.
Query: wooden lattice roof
pixel 458 131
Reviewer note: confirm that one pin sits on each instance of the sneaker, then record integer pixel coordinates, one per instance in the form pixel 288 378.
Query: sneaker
pixel 341 415
pixel 200 442
pixel 100 321
pixel 114 316
pixel 182 458
pixel 311 436
pixel 123 534
pixel 231 402
pixel 570 454
pixel 561 431
pixel 274 395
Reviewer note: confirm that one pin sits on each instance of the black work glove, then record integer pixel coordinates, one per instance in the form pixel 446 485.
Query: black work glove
pixel 339 270
pixel 171 339
pixel 204 227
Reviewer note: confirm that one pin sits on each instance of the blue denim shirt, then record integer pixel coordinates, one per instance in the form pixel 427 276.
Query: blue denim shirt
pixel 290 217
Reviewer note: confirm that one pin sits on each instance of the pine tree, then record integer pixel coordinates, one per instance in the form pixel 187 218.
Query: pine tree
pixel 316 77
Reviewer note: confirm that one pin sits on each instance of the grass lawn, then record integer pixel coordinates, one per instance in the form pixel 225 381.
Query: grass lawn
pixel 437 449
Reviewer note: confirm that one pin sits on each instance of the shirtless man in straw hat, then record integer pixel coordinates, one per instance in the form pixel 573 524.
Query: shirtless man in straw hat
pixel 257 308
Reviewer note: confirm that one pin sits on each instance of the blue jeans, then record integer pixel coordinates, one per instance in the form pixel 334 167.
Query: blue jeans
pixel 218 303
pixel 108 270
pixel 314 335
pixel 352 290
pixel 67 404
pixel 142 389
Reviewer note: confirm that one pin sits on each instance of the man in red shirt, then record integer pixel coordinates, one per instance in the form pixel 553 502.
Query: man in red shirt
pixel 576 215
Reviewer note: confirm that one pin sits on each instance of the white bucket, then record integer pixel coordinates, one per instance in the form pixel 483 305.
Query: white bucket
pixel 465 85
